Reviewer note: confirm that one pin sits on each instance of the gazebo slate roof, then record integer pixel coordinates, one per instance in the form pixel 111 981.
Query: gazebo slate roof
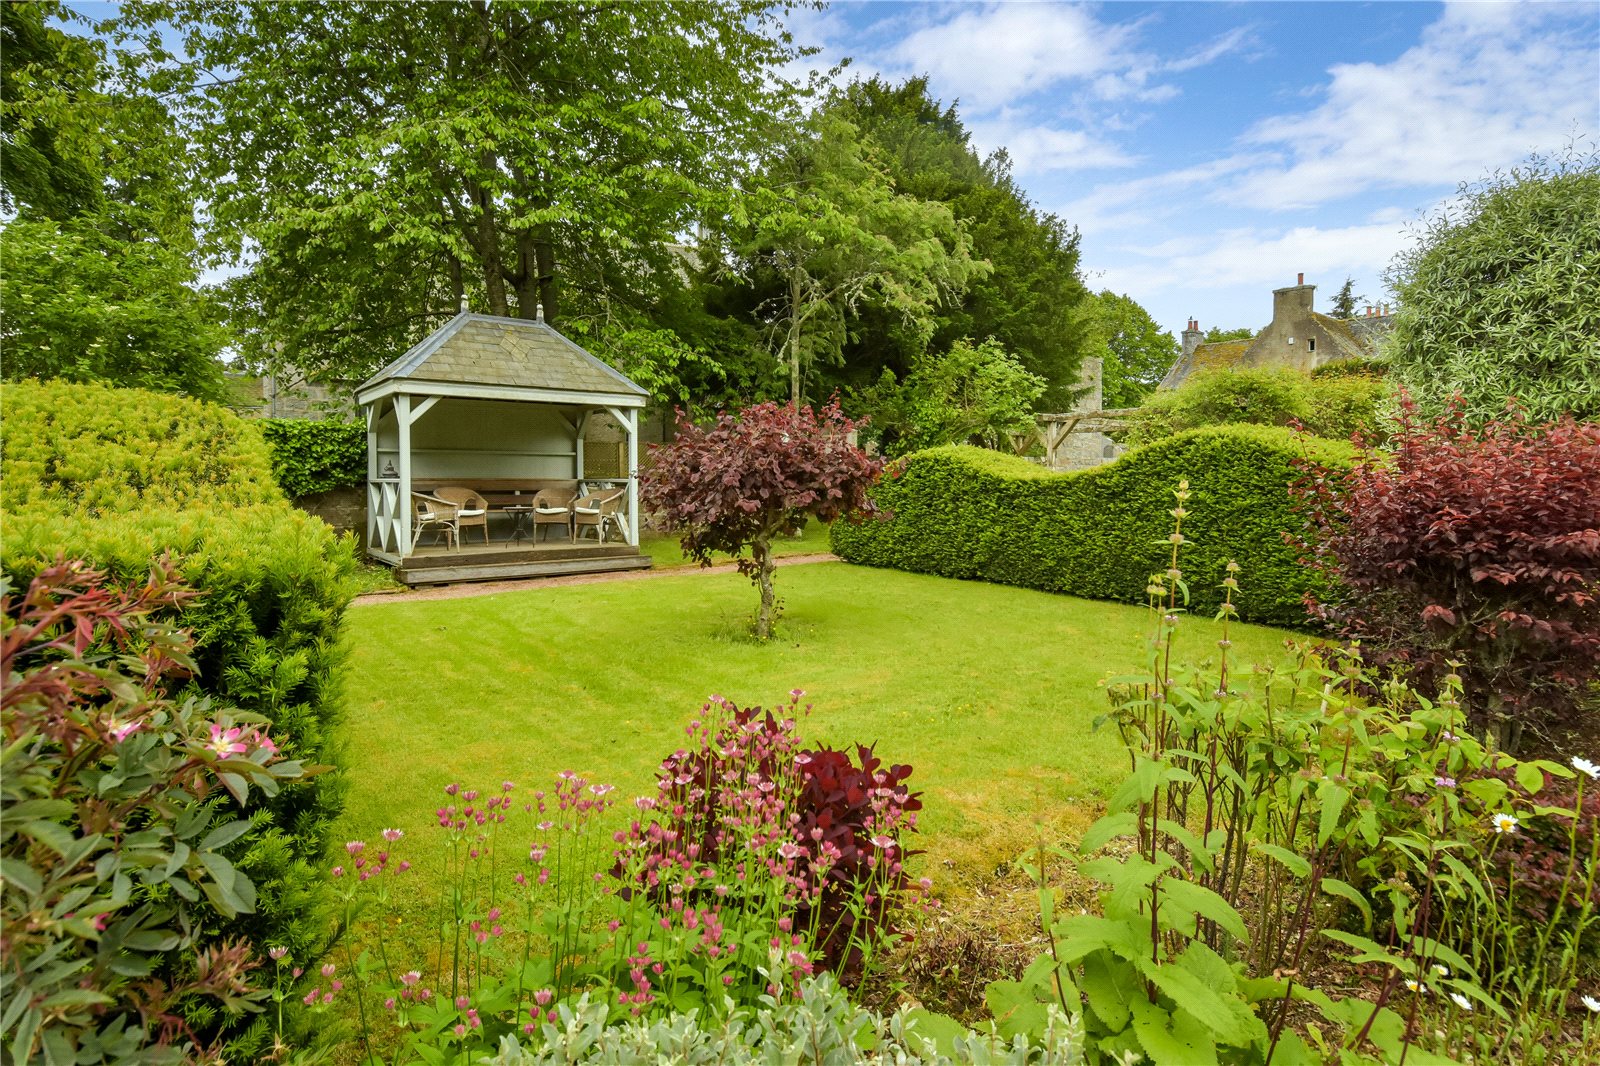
pixel 490 350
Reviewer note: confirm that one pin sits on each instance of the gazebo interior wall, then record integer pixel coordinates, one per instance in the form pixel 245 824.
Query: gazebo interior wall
pixel 466 439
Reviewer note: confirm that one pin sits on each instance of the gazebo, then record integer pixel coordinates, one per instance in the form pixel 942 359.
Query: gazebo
pixel 498 407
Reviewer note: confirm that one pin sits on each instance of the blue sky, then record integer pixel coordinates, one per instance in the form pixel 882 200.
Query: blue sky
pixel 1208 152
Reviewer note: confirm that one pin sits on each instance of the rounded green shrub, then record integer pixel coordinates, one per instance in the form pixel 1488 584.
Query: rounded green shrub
pixel 121 477
pixel 97 449
pixel 968 513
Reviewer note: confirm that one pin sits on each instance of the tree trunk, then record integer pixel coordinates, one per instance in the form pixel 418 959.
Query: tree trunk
pixel 793 342
pixel 544 257
pixel 761 548
pixel 488 243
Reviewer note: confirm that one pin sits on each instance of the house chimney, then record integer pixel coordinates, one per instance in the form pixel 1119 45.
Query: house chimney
pixel 1192 338
pixel 1300 278
pixel 463 303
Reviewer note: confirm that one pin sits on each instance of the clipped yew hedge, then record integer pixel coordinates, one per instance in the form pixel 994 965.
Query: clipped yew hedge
pixel 119 477
pixel 968 513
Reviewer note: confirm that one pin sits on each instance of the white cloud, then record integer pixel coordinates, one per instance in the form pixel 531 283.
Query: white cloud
pixel 992 56
pixel 1485 85
pixel 1037 149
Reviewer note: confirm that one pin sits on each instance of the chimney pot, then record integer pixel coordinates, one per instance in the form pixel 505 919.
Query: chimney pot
pixel 1300 278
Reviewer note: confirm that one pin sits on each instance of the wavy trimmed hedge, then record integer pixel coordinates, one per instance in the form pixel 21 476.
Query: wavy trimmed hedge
pixel 120 476
pixel 968 513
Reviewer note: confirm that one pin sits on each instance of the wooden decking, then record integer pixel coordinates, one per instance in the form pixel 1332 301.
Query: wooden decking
pixel 502 561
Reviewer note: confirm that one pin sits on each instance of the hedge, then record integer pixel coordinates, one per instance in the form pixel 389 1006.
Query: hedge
pixel 120 476
pixel 968 513
pixel 95 448
pixel 309 457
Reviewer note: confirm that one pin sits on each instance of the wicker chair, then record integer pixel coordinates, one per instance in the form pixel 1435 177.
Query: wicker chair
pixel 430 512
pixel 470 508
pixel 553 507
pixel 595 510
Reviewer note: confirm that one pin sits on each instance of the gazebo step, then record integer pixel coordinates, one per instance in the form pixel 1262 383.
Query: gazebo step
pixel 448 570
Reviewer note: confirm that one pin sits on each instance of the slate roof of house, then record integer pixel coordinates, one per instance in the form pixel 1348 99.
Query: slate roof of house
pixel 1350 346
pixel 505 352
pixel 1217 354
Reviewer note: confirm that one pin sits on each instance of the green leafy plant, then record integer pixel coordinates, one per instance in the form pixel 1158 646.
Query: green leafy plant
pixel 315 456
pixel 1497 299
pixel 123 809
pixel 119 477
pixel 1262 824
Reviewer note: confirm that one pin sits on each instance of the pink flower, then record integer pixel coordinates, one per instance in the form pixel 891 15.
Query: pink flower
pixel 277 953
pixel 355 847
pixel 884 842
pixel 327 969
pixel 226 743
pixel 542 997
pixel 460 1030
pixel 410 977
pixel 121 730
pixel 392 835
pixel 451 789
pixel 462 1002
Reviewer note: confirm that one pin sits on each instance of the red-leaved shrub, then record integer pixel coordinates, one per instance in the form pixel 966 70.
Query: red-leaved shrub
pixel 823 830
pixel 1480 546
pixel 755 475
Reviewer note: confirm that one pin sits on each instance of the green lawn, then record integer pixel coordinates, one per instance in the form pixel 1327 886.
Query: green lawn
pixel 988 691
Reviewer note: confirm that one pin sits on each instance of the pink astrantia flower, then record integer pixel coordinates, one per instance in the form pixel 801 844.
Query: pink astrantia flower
pixel 392 835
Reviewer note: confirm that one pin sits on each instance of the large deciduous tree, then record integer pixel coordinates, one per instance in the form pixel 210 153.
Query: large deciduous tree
pixel 754 475
pixel 1500 297
pixel 97 268
pixel 829 227
pixel 1134 351
pixel 376 163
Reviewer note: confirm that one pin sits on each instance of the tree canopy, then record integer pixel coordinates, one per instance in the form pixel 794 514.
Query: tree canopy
pixel 1134 351
pixel 393 159
pixel 1027 298
pixel 1500 299
pixel 96 269
pixel 831 228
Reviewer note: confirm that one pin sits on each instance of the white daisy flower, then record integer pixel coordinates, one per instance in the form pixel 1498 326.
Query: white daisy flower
pixel 1584 766
pixel 1592 1003
pixel 1412 985
pixel 1441 969
pixel 1461 1001
pixel 1504 823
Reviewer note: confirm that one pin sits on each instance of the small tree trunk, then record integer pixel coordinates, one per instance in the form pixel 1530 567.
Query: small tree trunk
pixel 762 549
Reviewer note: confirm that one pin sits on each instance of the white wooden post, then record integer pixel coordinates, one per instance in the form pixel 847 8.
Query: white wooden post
pixel 370 413
pixel 577 445
pixel 632 426
pixel 402 417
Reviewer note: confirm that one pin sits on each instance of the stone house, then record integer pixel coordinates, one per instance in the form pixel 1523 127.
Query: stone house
pixel 1298 336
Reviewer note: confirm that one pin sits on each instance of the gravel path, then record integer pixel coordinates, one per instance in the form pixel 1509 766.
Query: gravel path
pixel 485 588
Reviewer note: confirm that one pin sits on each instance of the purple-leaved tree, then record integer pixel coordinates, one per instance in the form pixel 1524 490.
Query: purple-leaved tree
pixel 753 475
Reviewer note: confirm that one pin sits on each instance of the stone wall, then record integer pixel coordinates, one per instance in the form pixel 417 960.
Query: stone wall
pixel 343 509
